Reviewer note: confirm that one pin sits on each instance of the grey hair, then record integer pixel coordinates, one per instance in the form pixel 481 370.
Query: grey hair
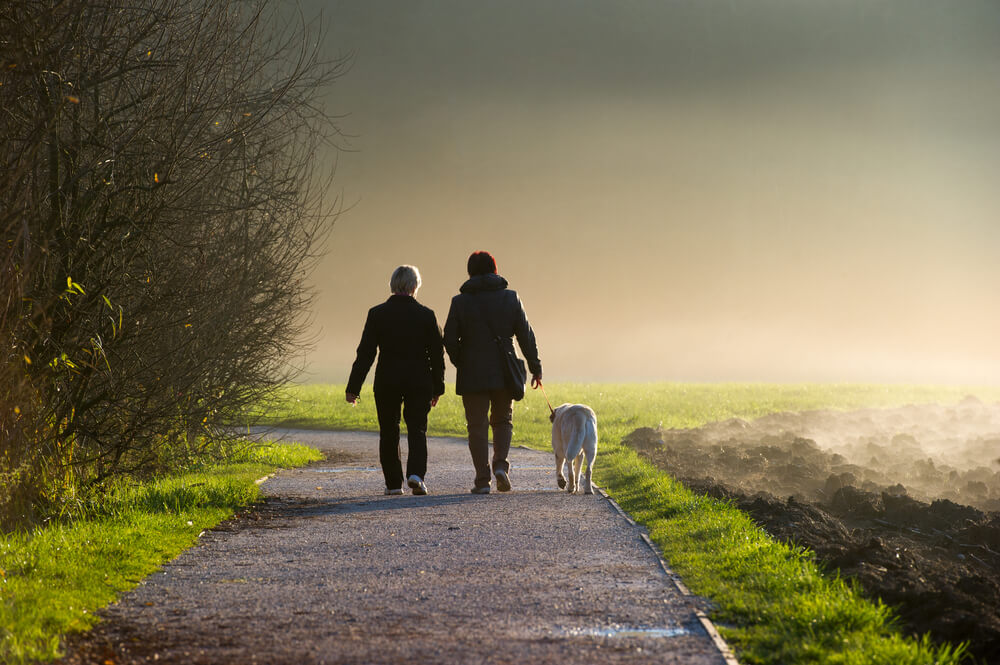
pixel 405 279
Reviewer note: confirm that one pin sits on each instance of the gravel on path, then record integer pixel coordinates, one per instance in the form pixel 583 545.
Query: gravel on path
pixel 329 570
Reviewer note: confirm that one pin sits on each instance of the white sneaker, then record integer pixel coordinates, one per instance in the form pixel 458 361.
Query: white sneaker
pixel 503 481
pixel 417 485
pixel 393 492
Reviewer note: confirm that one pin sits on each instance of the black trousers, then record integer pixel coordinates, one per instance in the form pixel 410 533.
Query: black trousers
pixel 416 404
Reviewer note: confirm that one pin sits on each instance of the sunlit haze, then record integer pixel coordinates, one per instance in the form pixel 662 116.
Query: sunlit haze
pixel 773 190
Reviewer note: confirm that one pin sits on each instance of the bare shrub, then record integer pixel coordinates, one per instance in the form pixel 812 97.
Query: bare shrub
pixel 160 211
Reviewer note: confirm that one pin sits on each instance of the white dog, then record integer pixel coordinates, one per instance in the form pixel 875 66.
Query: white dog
pixel 574 434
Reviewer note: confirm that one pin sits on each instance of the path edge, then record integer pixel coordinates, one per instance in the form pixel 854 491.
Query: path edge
pixel 720 644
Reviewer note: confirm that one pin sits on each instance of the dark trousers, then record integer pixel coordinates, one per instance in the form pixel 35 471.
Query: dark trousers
pixel 416 405
pixel 482 411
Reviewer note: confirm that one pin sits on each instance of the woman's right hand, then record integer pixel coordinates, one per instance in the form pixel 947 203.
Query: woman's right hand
pixel 352 399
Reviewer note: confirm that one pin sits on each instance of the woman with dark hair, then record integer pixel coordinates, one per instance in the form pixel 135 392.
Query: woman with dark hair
pixel 484 311
pixel 410 373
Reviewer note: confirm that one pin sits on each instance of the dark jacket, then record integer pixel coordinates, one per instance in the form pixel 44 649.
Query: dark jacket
pixel 408 340
pixel 469 341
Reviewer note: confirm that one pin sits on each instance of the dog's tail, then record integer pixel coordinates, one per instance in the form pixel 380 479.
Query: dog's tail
pixel 581 434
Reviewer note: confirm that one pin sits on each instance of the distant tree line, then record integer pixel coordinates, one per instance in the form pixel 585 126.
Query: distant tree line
pixel 159 211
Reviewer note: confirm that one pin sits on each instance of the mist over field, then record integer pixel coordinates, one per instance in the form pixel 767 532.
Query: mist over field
pixel 701 191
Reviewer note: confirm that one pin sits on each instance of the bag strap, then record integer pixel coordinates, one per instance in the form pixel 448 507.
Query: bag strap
pixel 486 318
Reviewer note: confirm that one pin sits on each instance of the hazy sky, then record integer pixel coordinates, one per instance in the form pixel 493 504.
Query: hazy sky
pixel 769 190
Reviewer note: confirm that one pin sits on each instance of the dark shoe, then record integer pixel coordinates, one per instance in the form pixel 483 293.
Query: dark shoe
pixel 481 490
pixel 503 481
pixel 417 485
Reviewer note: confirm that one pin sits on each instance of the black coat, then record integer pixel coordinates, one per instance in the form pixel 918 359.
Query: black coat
pixel 469 341
pixel 408 340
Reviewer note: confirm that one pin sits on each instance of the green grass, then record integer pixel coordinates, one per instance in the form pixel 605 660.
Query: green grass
pixel 773 604
pixel 53 578
pixel 620 408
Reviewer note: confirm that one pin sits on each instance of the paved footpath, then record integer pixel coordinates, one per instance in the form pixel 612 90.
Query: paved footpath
pixel 329 570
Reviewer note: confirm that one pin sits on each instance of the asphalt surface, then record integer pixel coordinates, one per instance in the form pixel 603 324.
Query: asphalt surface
pixel 329 570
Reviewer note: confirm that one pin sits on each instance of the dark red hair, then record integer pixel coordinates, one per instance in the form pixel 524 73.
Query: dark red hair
pixel 481 263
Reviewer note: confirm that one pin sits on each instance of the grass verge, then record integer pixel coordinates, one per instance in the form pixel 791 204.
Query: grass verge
pixel 53 578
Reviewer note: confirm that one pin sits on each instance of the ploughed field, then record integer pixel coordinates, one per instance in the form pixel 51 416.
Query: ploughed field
pixel 906 501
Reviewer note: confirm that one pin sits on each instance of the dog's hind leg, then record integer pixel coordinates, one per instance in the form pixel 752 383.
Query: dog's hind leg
pixel 574 479
pixel 588 486
pixel 560 478
pixel 590 448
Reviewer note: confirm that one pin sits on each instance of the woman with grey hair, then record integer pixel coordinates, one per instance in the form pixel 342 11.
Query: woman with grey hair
pixel 409 373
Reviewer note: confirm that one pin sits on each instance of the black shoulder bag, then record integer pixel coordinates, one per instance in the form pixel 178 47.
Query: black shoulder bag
pixel 515 373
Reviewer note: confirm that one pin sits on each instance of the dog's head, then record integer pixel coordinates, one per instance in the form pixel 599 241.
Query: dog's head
pixel 556 411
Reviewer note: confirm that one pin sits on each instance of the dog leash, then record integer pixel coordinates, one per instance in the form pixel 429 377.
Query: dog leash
pixel 551 410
